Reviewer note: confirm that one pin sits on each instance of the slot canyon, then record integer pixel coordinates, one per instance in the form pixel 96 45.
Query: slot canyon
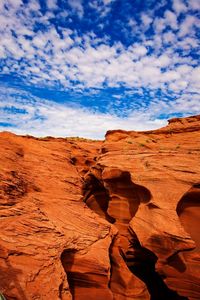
pixel 116 219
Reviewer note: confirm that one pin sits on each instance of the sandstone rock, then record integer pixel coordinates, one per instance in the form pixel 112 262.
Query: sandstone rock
pixel 162 200
pixel 97 220
pixel 43 216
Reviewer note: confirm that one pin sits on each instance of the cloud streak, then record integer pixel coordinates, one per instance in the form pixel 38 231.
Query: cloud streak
pixel 28 114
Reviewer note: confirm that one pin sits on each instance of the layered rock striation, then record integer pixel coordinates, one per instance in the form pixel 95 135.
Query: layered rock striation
pixel 92 220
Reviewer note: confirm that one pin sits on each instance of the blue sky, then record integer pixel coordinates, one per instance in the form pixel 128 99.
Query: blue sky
pixel 80 68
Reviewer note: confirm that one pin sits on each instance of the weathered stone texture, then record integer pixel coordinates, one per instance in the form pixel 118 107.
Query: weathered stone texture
pixel 93 220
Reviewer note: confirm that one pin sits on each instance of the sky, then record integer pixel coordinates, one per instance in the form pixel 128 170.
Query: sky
pixel 80 68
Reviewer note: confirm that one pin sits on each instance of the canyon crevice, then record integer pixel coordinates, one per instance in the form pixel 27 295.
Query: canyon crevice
pixel 93 220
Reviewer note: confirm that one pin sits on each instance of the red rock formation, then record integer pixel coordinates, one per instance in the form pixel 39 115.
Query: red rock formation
pixel 166 163
pixel 96 220
pixel 43 217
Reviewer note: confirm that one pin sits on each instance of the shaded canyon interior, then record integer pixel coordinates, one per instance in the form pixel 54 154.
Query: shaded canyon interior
pixel 91 220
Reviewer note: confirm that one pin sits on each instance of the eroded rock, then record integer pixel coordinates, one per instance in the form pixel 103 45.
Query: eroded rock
pixel 96 220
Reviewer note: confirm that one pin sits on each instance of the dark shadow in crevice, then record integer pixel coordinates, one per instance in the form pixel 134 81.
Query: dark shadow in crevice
pixel 188 210
pixel 122 189
pixel 97 197
pixel 67 260
pixel 177 263
pixel 141 262
pixel 86 281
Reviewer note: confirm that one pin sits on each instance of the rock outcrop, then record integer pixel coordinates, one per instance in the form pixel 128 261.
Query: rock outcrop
pixel 115 219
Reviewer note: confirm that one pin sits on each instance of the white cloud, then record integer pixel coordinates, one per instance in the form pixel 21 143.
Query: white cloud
pixel 106 2
pixel 164 61
pixel 146 20
pixel 34 5
pixel 179 6
pixel 194 4
pixel 170 19
pixel 169 37
pixel 159 25
pixel 170 76
pixel 52 4
pixel 184 69
pixel 195 78
pixel 10 4
pixel 178 85
pixel 187 25
pixel 77 6
pixel 139 50
pixel 102 7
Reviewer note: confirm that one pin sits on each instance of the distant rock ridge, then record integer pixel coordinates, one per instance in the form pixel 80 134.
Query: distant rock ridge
pixel 177 125
pixel 92 220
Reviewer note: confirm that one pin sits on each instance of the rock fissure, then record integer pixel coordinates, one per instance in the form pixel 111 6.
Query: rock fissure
pixel 107 219
pixel 140 261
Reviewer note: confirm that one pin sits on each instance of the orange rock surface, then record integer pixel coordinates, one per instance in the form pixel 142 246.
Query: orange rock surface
pixel 93 220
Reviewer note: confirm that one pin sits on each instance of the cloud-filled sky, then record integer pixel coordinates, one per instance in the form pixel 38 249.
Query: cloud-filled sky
pixel 80 68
